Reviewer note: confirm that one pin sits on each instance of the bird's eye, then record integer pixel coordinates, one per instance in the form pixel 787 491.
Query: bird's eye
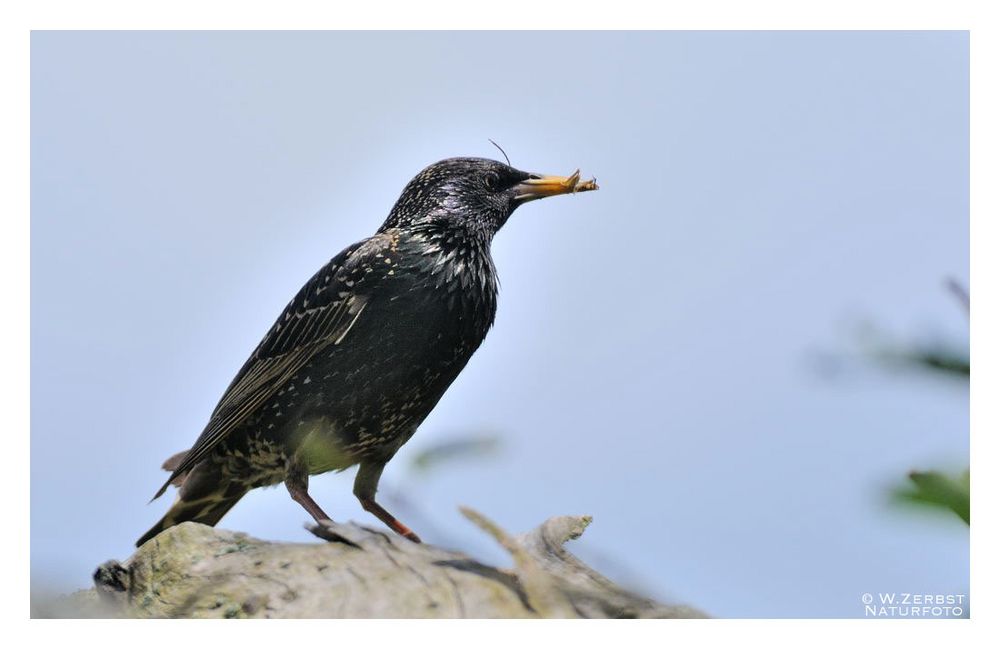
pixel 492 180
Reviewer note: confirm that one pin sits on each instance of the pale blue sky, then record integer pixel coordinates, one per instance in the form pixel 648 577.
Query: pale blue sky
pixel 651 360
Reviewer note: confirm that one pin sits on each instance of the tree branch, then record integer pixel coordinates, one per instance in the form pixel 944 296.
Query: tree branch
pixel 195 571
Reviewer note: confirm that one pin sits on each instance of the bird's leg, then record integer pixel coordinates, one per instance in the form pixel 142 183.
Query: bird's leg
pixel 298 488
pixel 365 486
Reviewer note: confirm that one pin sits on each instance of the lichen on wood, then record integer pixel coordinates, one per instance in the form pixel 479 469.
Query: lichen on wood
pixel 195 571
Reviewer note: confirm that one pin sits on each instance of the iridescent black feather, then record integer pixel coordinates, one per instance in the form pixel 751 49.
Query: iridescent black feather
pixel 362 353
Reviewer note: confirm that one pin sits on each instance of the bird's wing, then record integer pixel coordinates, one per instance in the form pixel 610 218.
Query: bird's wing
pixel 321 314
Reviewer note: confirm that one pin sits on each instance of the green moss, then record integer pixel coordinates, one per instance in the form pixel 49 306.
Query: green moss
pixel 239 546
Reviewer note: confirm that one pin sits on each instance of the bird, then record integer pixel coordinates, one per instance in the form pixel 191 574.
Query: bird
pixel 364 351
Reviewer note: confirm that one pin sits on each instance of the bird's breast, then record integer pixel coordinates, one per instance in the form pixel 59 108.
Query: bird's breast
pixel 418 331
pixel 444 304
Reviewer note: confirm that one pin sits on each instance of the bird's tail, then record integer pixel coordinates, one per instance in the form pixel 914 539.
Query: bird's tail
pixel 207 509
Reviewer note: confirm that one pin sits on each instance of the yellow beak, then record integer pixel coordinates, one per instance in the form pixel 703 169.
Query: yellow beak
pixel 542 186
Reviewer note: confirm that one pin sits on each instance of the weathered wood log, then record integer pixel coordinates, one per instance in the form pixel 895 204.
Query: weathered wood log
pixel 195 571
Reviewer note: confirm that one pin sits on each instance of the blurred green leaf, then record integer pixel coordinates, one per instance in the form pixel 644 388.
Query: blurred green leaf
pixel 932 488
pixel 461 448
pixel 949 357
pixel 940 359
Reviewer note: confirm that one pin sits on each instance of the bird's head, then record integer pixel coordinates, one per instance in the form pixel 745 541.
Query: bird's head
pixel 474 194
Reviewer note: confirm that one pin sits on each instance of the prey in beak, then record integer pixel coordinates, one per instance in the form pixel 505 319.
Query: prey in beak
pixel 537 186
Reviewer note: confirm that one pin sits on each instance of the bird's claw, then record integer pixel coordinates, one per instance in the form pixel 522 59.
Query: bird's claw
pixel 336 532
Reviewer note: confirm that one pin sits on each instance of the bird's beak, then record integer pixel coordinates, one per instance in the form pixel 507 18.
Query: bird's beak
pixel 542 186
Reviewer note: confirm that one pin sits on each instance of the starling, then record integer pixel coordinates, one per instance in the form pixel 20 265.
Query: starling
pixel 364 351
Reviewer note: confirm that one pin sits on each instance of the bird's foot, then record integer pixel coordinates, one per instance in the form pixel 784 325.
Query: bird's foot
pixel 336 532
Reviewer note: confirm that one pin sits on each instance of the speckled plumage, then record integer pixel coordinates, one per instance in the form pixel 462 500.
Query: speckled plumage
pixel 365 350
